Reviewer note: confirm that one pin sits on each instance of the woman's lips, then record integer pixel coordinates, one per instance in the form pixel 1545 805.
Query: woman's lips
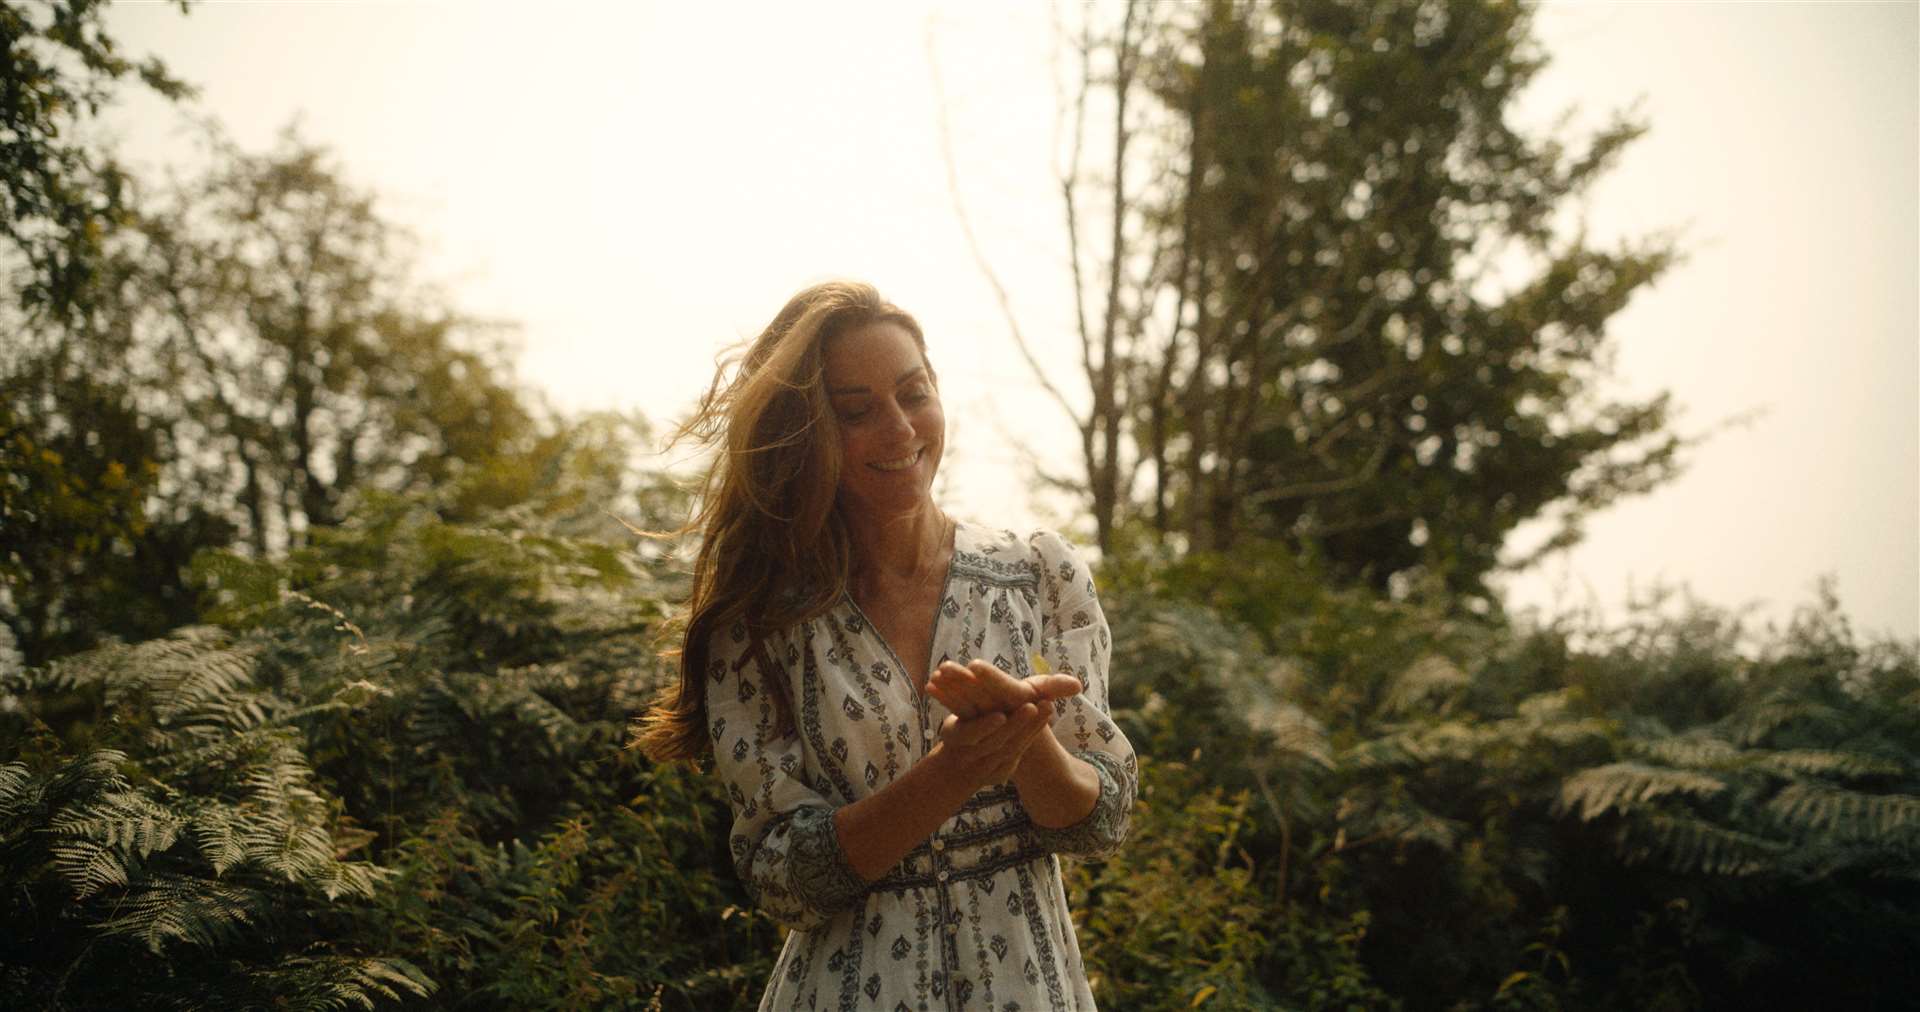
pixel 900 464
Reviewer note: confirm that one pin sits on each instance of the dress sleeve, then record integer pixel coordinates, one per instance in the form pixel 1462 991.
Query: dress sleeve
pixel 783 842
pixel 1075 640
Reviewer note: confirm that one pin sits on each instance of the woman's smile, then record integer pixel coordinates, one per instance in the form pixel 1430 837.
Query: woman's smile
pixel 901 464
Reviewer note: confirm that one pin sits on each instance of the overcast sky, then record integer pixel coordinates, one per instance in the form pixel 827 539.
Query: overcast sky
pixel 641 184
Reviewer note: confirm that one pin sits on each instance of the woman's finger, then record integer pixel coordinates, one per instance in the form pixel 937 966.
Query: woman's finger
pixel 1022 724
pixel 970 733
pixel 956 689
pixel 952 697
pixel 1055 686
pixel 1004 689
pixel 945 698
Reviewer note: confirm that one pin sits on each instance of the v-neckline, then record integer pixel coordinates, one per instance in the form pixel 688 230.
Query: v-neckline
pixel 933 632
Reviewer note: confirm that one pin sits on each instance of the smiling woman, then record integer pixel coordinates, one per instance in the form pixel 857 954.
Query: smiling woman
pixel 899 800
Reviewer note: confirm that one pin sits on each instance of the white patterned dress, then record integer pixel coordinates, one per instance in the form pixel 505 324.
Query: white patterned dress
pixel 975 917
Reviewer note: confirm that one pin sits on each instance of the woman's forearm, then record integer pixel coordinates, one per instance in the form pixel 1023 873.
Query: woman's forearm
pixel 875 832
pixel 879 829
pixel 1056 789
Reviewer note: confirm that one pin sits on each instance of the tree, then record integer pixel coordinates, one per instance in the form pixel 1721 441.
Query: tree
pixel 60 196
pixel 248 350
pixel 272 296
pixel 1301 333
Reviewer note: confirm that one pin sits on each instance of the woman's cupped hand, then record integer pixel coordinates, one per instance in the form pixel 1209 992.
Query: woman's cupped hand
pixel 994 717
pixel 978 688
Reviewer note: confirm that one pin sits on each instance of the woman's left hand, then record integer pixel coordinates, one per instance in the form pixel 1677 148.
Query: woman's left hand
pixel 980 687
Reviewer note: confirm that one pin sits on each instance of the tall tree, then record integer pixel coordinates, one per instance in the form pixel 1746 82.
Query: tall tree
pixel 274 303
pixel 59 195
pixel 249 348
pixel 1311 331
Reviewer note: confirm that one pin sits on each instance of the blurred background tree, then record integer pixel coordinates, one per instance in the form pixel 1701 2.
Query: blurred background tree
pixel 1303 325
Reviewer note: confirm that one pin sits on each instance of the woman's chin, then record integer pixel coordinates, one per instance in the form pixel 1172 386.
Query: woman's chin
pixel 886 504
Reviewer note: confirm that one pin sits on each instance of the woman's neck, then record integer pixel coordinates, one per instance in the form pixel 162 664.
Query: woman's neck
pixel 902 548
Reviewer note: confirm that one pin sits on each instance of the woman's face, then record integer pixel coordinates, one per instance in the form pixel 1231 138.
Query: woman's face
pixel 892 430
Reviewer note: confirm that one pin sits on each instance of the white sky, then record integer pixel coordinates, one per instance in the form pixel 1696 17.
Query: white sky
pixel 641 184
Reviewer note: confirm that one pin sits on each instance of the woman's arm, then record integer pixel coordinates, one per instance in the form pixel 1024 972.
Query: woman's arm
pixel 880 829
pixel 1056 789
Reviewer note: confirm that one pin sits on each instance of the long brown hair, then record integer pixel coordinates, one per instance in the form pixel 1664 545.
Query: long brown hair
pixel 774 549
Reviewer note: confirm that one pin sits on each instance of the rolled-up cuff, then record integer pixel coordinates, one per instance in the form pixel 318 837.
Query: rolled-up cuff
pixel 1103 829
pixel 822 877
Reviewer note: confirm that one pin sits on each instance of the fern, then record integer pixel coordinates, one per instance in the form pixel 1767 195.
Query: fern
pixel 322 984
pixel 1689 844
pixel 1826 763
pixel 199 826
pixel 1427 679
pixel 1697 750
pixel 97 841
pixel 1848 815
pixel 167 908
pixel 1620 787
pixel 17 796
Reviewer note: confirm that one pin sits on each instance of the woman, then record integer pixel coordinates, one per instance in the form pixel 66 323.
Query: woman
pixel 909 713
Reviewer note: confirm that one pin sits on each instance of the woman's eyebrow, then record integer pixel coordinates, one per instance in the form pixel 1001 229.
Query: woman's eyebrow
pixel 905 376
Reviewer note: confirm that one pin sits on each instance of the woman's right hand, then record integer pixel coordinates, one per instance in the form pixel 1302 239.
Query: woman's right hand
pixel 979 687
pixel 985 750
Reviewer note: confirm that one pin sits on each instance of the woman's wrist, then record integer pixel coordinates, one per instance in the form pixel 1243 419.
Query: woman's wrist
pixel 1056 789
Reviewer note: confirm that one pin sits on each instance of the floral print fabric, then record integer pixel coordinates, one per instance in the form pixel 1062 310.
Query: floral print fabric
pixel 976 916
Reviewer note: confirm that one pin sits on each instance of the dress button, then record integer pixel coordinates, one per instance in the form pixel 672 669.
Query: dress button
pixel 939 844
pixel 943 875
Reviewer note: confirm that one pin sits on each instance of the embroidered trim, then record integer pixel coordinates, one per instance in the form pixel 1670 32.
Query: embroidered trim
pixel 822 878
pixel 999 572
pixel 901 882
pixel 1105 827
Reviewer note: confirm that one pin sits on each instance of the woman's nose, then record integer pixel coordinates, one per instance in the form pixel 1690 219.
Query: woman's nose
pixel 897 421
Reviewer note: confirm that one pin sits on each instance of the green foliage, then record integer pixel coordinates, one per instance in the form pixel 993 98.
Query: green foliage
pixel 1174 921
pixel 405 739
pixel 1636 821
pixel 183 816
pixel 81 554
pixel 58 196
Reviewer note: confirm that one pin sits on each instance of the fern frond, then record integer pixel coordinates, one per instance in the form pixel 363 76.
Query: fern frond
pixel 191 910
pixel 1686 844
pixel 100 823
pixel 198 678
pixel 1848 814
pixel 1697 750
pixel 1624 786
pixel 216 830
pixel 1447 741
pixel 1429 677
pixel 351 878
pixel 1825 763
pixel 1291 732
pixel 293 849
pixel 17 796
pixel 1753 725
pixel 329 983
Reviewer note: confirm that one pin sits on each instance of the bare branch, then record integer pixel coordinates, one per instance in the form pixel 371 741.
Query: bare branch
pixel 973 241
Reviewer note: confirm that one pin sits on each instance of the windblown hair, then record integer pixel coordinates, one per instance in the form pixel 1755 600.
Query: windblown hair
pixel 774 548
